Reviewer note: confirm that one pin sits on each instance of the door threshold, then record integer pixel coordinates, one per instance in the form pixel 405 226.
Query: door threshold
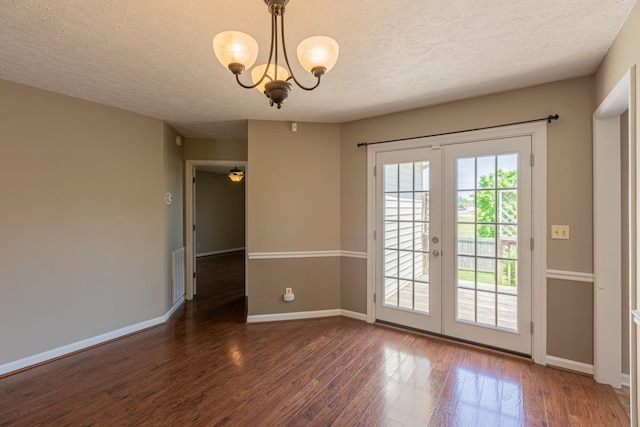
pixel 442 337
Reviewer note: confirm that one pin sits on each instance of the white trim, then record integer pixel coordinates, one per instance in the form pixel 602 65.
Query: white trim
pixel 87 343
pixel 573 276
pixel 189 173
pixel 636 316
pixel 306 254
pixel 278 317
pixel 297 254
pixel 607 245
pixel 220 252
pixel 538 132
pixel 571 365
pixel 625 380
pixel 353 254
pixel 173 309
pixel 354 315
pixel 371 232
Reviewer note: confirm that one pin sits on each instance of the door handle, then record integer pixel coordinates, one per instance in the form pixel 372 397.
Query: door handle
pixel 435 252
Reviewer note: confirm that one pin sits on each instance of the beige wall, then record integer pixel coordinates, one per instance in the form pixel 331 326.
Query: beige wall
pixel 569 167
pixel 353 296
pixel 215 149
pixel 81 221
pixel 293 205
pixel 173 213
pixel 220 213
pixel 294 187
pixel 315 283
pixel 570 336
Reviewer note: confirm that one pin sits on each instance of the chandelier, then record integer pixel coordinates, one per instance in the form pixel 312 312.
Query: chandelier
pixel 239 51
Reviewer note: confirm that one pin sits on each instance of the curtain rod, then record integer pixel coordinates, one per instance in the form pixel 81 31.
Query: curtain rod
pixel 548 119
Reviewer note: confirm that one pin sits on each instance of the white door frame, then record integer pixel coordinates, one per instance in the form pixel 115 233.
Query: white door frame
pixel 189 173
pixel 538 133
pixel 607 269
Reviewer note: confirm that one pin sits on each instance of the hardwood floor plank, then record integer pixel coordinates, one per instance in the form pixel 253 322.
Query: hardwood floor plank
pixel 207 367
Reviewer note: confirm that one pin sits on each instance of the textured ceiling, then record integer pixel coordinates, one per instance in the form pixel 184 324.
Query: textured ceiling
pixel 154 57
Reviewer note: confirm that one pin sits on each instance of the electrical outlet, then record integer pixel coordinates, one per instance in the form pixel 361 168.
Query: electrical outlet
pixel 288 291
pixel 560 232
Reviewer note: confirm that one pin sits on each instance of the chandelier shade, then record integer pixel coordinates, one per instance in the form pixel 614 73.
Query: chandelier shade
pixel 238 52
pixel 234 47
pixel 318 51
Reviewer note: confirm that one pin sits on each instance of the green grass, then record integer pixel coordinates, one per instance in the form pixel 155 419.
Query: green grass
pixel 482 276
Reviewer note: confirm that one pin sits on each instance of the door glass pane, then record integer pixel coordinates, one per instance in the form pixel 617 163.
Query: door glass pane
pixel 466 174
pixel 390 263
pixel 391 206
pixel 507 309
pixel 391 291
pixel 466 305
pixel 406 294
pixel 406 176
pixel 406 235
pixel 405 207
pixel 421 176
pixel 466 206
pixel 421 206
pixel 391 234
pixel 508 171
pixel 486 308
pixel 390 178
pixel 486 172
pixel 422 296
pixel 421 236
pixel 421 267
pixel 486 249
pixel 466 239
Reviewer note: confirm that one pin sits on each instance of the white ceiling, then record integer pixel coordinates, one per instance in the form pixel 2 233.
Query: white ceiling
pixel 155 57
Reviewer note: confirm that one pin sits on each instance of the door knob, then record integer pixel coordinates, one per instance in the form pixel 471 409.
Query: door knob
pixel 435 252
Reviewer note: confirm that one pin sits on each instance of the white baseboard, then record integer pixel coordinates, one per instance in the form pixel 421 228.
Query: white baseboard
pixel 571 365
pixel 223 251
pixel 277 317
pixel 86 343
pixel 354 315
pixel 625 379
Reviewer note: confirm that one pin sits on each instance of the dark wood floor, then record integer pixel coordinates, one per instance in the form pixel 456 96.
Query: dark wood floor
pixel 206 367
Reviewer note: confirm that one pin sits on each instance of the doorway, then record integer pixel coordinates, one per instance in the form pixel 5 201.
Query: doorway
pixel 461 249
pixel 219 167
pixel 453 258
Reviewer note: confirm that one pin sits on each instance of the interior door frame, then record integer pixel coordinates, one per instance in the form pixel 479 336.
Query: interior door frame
pixel 538 133
pixel 190 256
pixel 607 245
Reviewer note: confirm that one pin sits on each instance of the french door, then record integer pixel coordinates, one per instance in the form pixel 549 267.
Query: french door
pixel 453 254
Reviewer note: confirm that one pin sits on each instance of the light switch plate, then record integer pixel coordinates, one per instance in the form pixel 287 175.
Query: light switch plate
pixel 560 232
